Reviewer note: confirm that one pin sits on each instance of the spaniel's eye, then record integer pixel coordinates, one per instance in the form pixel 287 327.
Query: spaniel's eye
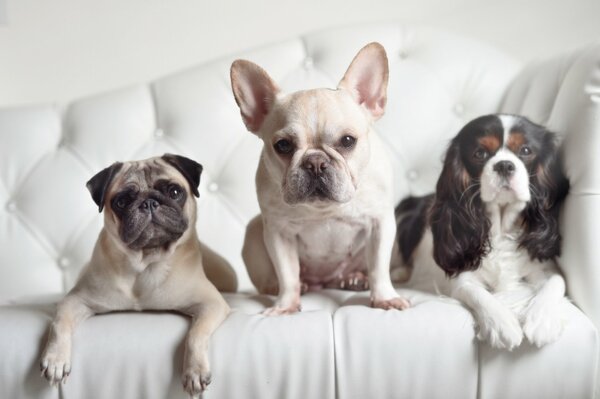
pixel 524 151
pixel 175 191
pixel 481 154
pixel 348 141
pixel 284 146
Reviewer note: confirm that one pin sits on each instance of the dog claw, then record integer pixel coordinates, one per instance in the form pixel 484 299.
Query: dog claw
pixel 195 383
pixel 394 303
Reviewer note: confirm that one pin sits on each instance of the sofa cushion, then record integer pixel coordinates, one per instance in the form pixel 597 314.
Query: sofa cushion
pixel 426 351
pixel 140 354
pixel 336 342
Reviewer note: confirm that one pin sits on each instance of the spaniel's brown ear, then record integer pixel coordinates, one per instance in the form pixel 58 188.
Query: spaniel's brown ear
pixel 542 237
pixel 458 223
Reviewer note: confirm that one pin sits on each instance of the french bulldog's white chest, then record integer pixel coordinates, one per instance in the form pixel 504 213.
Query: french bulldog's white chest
pixel 331 248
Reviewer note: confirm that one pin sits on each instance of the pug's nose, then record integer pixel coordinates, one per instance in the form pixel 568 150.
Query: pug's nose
pixel 150 205
pixel 315 164
pixel 504 168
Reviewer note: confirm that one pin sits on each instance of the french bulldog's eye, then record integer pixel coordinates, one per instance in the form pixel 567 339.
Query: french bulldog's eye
pixel 175 191
pixel 525 151
pixel 348 141
pixel 284 146
pixel 481 154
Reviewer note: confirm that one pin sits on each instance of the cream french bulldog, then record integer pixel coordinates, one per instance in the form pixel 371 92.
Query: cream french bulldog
pixel 324 185
pixel 147 257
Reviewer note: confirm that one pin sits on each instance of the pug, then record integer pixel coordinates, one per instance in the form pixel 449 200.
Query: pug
pixel 147 256
pixel 324 185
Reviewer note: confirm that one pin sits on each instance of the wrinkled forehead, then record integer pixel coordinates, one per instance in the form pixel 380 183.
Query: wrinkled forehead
pixel 319 111
pixel 144 174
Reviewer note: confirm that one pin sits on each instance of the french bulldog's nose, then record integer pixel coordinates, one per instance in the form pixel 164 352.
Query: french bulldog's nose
pixel 150 204
pixel 315 164
pixel 504 168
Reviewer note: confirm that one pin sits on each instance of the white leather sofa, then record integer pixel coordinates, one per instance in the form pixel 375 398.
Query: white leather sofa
pixel 337 347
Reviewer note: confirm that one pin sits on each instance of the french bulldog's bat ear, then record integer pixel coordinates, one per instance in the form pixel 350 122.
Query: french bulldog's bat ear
pixel 98 185
pixel 367 78
pixel 189 168
pixel 254 92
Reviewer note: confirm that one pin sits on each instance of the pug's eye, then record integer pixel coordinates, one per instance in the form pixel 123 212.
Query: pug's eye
pixel 121 201
pixel 348 141
pixel 175 191
pixel 481 154
pixel 284 146
pixel 525 151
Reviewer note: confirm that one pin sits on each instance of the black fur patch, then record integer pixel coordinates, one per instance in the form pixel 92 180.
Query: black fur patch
pixel 412 214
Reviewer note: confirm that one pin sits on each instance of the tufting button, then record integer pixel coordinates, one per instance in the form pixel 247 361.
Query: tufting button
pixel 11 206
pixel 308 63
pixel 459 109
pixel 412 175
pixel 158 133
pixel 64 262
pixel 403 54
pixel 213 187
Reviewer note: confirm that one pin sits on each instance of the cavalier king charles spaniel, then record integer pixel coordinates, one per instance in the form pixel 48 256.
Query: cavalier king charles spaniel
pixel 489 235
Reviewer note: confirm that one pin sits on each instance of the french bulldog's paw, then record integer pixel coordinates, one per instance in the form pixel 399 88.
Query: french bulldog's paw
pixel 195 381
pixel 280 310
pixel 543 323
pixel 55 366
pixel 501 330
pixel 356 281
pixel 393 303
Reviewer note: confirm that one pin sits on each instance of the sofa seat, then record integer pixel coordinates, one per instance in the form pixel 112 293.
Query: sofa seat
pixel 336 344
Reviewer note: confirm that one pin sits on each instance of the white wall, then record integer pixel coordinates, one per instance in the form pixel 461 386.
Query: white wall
pixel 57 50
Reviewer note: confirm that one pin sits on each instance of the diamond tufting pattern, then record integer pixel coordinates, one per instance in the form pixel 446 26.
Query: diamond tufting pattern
pixel 48 223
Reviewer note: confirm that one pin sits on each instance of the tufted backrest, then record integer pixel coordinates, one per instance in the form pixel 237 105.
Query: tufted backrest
pixel 563 93
pixel 48 222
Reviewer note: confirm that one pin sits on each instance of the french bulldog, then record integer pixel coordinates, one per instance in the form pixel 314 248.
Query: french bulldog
pixel 147 256
pixel 324 185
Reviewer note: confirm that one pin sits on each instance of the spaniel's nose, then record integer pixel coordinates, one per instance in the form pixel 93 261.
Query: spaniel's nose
pixel 504 168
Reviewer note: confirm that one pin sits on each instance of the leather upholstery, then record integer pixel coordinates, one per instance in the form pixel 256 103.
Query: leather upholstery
pixel 337 347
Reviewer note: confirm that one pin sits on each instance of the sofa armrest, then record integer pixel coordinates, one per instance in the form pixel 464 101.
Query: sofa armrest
pixel 564 94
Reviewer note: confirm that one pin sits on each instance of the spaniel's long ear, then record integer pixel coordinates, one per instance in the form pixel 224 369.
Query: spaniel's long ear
pixel 540 218
pixel 459 225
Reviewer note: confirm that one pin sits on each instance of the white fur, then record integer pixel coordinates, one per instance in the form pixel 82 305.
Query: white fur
pixel 496 189
pixel 352 232
pixel 508 121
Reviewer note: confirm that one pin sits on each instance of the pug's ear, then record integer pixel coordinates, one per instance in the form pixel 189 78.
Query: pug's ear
pixel 98 185
pixel 189 168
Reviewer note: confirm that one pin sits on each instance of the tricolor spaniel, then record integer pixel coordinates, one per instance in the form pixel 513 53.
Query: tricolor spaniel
pixel 492 227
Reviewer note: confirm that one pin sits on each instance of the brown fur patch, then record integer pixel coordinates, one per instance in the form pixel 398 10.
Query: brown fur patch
pixel 491 143
pixel 515 141
pixel 466 179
